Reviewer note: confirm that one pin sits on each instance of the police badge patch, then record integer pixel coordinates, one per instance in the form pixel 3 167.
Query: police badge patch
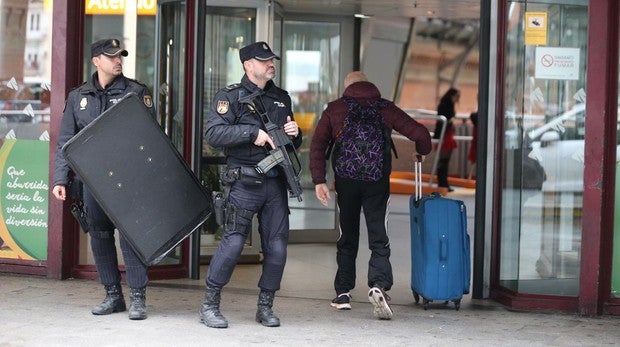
pixel 222 106
pixel 83 103
pixel 148 101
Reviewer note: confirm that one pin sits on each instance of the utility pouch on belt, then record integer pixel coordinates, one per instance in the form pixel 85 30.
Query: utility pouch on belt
pixel 229 176
pixel 219 207
pixel 249 175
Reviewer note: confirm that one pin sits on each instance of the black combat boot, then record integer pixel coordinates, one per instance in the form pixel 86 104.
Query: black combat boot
pixel 113 302
pixel 137 307
pixel 264 313
pixel 210 311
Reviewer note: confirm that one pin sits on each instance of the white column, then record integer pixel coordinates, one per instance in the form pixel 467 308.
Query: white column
pixel 130 31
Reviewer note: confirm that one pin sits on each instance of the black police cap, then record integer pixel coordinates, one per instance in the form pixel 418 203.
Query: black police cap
pixel 109 47
pixel 258 50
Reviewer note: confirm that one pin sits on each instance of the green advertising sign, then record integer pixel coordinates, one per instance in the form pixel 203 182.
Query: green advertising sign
pixel 24 197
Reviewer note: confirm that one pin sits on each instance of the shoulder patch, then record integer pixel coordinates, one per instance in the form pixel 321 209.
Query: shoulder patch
pixel 148 101
pixel 233 86
pixel 222 106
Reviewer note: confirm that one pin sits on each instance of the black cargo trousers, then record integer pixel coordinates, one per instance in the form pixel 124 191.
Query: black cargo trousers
pixel 103 246
pixel 373 197
pixel 269 201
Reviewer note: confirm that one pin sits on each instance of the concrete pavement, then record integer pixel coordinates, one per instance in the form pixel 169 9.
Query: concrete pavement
pixel 43 312
pixel 38 311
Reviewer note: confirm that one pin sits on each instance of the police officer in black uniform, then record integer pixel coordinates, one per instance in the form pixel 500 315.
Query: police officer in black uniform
pixel 238 129
pixel 105 88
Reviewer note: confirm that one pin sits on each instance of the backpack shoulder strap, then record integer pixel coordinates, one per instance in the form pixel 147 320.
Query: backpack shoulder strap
pixel 380 105
pixel 351 102
pixel 329 150
pixel 393 147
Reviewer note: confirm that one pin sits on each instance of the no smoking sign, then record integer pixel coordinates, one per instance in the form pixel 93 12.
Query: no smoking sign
pixel 557 63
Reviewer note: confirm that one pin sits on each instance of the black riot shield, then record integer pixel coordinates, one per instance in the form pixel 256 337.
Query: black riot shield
pixel 139 179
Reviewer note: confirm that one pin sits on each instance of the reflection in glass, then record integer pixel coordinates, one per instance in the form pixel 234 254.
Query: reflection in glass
pixel 25 61
pixel 170 112
pixel 544 129
pixel 311 60
pixel 227 30
pixel 615 269
pixel 139 65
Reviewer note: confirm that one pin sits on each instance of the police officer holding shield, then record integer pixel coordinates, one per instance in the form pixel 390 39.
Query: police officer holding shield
pixel 236 127
pixel 105 88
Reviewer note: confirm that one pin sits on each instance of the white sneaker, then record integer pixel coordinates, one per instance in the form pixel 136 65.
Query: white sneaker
pixel 380 299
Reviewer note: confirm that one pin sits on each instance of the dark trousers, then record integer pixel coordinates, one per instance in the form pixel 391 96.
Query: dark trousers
pixel 373 197
pixel 442 168
pixel 102 243
pixel 270 201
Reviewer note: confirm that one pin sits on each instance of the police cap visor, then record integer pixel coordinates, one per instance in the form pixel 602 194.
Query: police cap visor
pixel 109 47
pixel 258 50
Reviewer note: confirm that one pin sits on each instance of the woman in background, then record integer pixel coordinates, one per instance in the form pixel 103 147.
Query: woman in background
pixel 446 108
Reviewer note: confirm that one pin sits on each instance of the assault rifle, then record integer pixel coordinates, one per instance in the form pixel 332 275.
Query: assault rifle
pixel 284 154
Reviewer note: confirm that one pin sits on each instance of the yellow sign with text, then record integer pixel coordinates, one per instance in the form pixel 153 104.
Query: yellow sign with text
pixel 535 28
pixel 117 7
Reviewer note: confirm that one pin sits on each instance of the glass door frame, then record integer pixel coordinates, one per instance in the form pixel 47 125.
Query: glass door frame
pixel 348 59
pixel 513 296
pixel 263 27
pixel 269 28
pixel 602 65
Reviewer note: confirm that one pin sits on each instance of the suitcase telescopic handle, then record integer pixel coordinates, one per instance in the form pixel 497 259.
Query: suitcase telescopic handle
pixel 418 177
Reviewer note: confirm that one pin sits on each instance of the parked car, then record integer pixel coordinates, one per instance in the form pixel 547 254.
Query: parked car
pixel 558 145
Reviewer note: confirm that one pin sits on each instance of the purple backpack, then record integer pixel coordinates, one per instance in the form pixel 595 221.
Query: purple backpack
pixel 361 147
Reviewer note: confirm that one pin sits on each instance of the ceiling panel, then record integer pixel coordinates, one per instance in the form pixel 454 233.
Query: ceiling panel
pixel 446 9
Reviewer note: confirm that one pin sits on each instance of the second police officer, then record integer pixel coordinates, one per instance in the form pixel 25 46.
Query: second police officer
pixel 106 86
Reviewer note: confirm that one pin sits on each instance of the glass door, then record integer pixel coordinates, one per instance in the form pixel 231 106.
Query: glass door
pixel 311 70
pixel 135 27
pixel 615 274
pixel 226 30
pixel 544 134
pixel 315 58
pixel 169 93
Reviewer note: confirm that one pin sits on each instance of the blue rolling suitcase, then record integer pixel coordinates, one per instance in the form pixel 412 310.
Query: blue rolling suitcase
pixel 440 265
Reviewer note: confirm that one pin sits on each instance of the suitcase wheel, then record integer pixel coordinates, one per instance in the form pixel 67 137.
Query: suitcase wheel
pixel 425 304
pixel 416 297
pixel 457 304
